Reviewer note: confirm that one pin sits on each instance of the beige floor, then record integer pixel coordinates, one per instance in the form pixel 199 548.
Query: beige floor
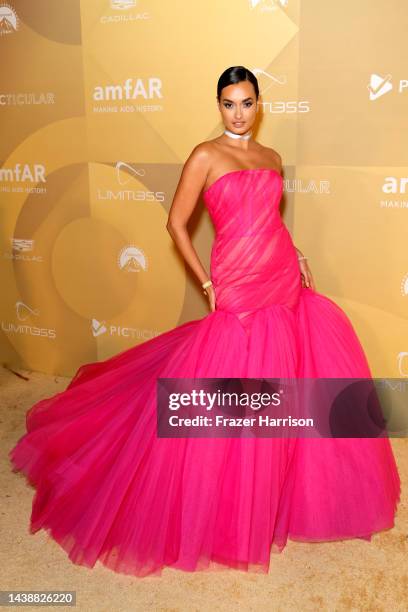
pixel 348 575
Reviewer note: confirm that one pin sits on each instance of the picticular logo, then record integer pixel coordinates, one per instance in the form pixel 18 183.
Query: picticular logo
pixel 379 86
pixel 98 328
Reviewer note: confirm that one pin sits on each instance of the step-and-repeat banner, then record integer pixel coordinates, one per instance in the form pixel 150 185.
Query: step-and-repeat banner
pixel 101 102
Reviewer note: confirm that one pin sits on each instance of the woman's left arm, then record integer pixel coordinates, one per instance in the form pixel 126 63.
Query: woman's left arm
pixel 306 274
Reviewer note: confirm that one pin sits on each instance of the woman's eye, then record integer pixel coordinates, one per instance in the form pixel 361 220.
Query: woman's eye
pixel 228 104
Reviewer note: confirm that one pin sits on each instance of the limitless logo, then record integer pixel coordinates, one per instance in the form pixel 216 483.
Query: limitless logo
pixel 124 174
pixel 277 106
pixel 8 20
pixel 271 79
pixel 125 171
pixel 24 312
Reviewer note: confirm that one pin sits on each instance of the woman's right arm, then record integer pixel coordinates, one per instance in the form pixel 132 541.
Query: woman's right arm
pixel 189 187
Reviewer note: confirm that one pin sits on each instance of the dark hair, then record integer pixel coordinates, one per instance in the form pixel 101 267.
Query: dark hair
pixel 236 74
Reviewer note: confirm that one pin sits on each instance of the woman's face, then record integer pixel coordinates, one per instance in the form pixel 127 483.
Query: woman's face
pixel 238 106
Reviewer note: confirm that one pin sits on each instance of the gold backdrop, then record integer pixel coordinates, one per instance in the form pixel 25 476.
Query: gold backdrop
pixel 101 101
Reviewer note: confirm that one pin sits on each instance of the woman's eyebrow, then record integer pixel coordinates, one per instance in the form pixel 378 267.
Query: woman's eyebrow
pixel 244 100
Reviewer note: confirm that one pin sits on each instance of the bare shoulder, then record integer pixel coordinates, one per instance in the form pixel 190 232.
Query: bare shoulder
pixel 272 156
pixel 200 154
pixel 201 157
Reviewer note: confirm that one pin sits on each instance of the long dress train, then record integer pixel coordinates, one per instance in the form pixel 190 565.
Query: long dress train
pixel 108 489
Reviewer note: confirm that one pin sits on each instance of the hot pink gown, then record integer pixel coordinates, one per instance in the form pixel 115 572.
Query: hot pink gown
pixel 108 489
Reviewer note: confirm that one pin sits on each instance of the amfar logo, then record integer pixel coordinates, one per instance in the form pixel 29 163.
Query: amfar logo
pixel 132 259
pixel 394 185
pixel 131 90
pixel 380 85
pixel 8 20
pixel 267 5
pixel 23 173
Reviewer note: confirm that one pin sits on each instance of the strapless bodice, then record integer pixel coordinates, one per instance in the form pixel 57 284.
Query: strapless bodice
pixel 253 259
pixel 245 202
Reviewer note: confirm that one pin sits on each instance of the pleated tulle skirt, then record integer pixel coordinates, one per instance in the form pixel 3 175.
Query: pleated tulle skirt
pixel 108 489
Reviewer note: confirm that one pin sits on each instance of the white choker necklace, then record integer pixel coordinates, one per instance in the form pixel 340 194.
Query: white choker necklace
pixel 243 136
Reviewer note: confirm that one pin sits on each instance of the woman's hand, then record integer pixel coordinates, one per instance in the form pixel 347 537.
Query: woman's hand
pixel 211 297
pixel 306 275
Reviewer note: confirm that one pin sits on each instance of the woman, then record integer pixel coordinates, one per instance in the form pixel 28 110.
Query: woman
pixel 234 149
pixel 109 489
